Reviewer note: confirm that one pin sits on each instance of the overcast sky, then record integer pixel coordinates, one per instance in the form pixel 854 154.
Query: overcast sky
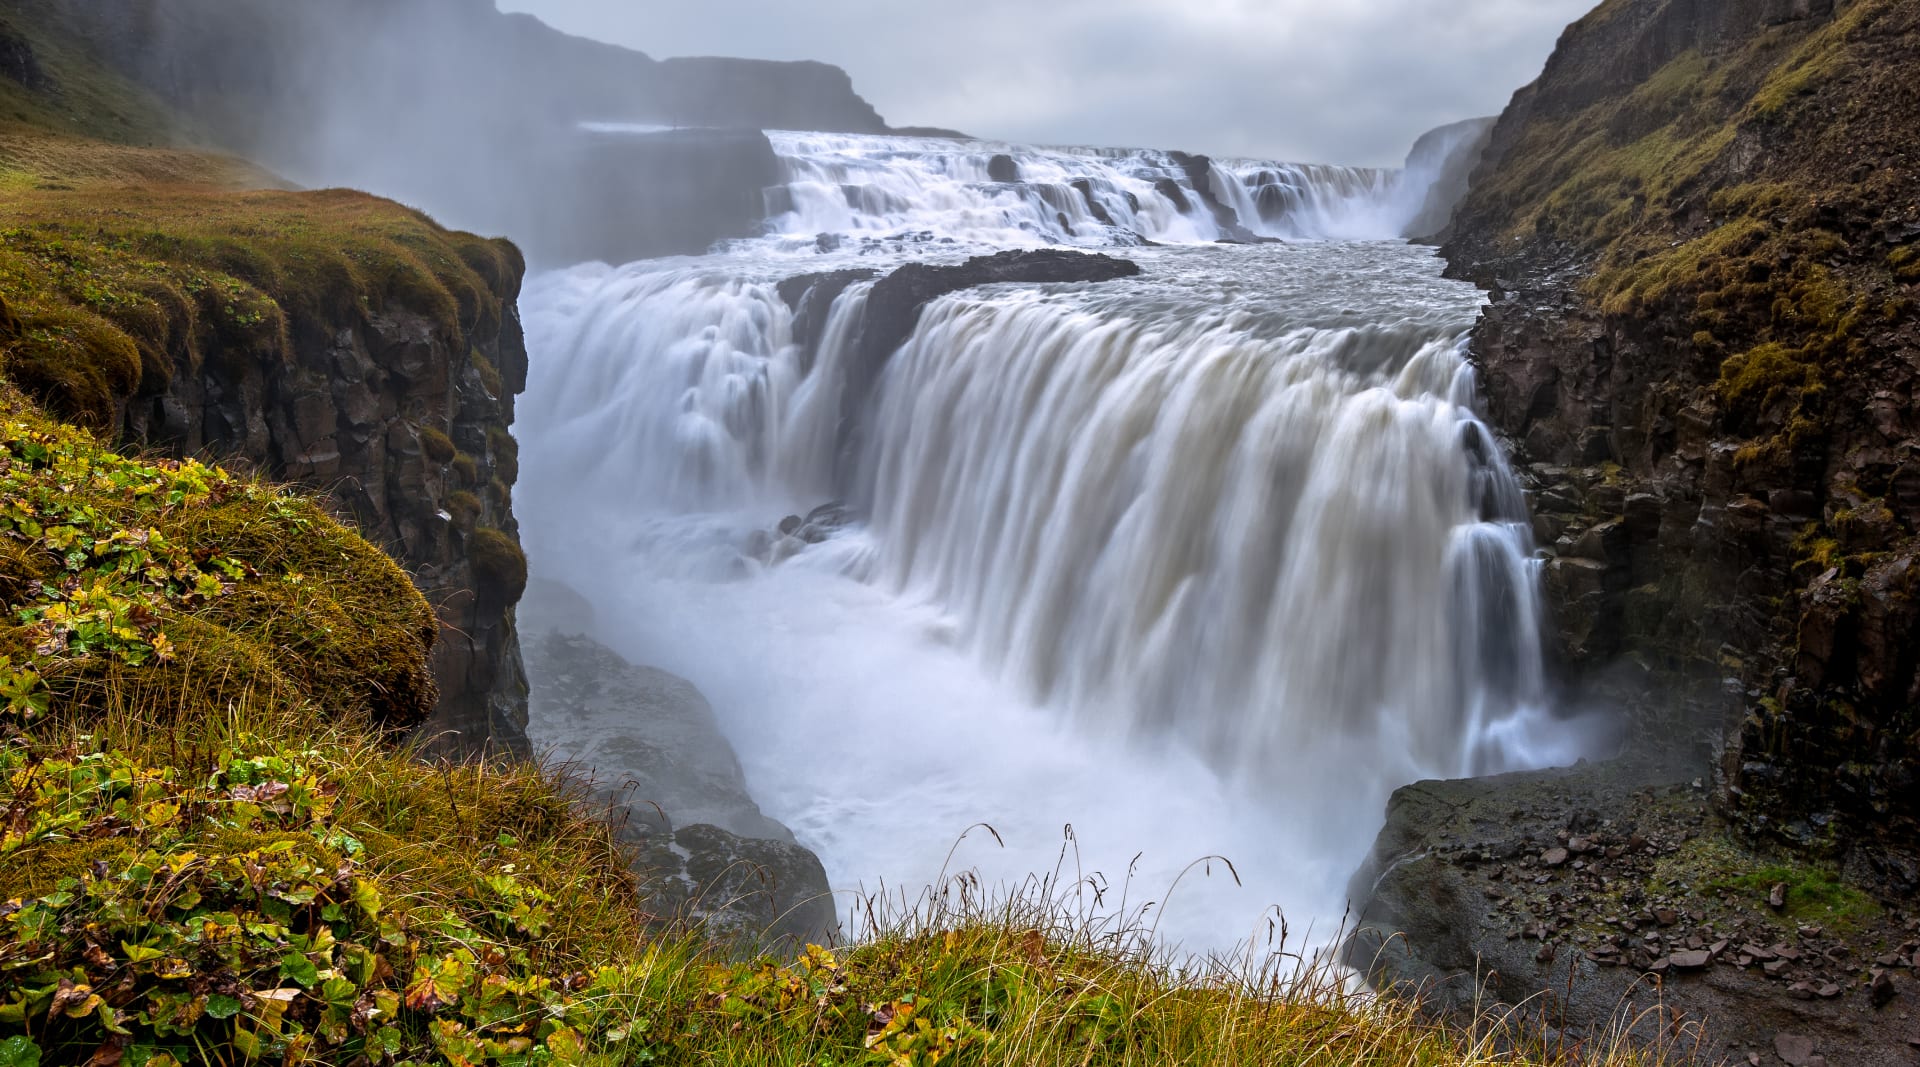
pixel 1338 81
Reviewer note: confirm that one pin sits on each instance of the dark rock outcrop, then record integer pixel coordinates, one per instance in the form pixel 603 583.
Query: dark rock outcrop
pixel 1002 168
pixel 1199 171
pixel 894 305
pixel 1590 898
pixel 811 297
pixel 706 853
pixel 1713 385
pixel 19 63
pixel 893 310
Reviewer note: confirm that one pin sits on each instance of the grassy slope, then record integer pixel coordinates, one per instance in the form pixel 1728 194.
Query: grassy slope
pixel 1741 192
pixel 209 852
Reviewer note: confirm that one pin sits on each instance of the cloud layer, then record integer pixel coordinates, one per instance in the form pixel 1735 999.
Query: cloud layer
pixel 1346 81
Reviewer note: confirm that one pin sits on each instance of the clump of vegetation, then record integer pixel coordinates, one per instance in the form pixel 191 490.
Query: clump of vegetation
pixel 498 563
pixel 437 445
pixel 465 509
pixel 489 376
pixel 110 301
pixel 172 576
pixel 466 468
pixel 505 452
pixel 1813 895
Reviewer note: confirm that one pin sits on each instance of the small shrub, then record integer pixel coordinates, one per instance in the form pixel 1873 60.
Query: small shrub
pixel 465 509
pixel 437 445
pixel 467 469
pixel 506 453
pixel 498 563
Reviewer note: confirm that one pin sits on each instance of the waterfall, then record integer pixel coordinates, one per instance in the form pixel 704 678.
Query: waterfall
pixel 1173 559
pixel 1268 547
pixel 844 188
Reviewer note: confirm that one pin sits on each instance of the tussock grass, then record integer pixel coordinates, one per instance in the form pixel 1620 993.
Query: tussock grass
pixel 383 909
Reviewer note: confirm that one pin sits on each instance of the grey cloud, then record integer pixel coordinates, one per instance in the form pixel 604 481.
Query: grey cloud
pixel 1310 80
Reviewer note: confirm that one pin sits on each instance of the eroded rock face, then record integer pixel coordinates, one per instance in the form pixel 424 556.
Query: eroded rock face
pixel 649 743
pixel 403 425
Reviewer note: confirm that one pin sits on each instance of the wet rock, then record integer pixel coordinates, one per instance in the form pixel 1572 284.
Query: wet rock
pixel 1795 1049
pixel 1003 168
pixel 1094 206
pixel 894 306
pixel 1173 192
pixel 650 745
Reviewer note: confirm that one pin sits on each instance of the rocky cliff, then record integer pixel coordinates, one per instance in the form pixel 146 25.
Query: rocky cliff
pixel 1700 229
pixel 401 416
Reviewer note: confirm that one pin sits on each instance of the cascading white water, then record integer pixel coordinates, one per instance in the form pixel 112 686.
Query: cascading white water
pixel 1204 561
pixel 930 190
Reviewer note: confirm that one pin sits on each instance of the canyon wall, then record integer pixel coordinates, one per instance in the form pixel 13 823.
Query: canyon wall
pixel 1701 228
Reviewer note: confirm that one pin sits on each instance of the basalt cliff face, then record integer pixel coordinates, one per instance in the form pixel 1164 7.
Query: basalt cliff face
pixel 1700 229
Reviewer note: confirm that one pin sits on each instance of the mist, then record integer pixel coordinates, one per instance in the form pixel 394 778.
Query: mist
pixel 475 115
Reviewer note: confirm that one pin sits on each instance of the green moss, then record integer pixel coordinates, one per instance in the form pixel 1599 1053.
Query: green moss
pixel 196 270
pixel 81 365
pixel 466 468
pixel 1716 866
pixel 184 589
pixel 465 509
pixel 1816 64
pixel 505 452
pixel 498 563
pixel 437 445
pixel 1813 895
pixel 1764 376
pixel 1905 262
pixel 489 376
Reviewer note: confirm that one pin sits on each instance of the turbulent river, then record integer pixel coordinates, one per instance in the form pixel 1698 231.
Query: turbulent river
pixel 1200 563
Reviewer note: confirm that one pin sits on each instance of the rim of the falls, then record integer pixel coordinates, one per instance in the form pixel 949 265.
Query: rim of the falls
pixel 1089 499
pixel 852 188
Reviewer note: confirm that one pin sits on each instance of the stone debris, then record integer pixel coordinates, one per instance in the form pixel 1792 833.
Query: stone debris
pixel 1795 1049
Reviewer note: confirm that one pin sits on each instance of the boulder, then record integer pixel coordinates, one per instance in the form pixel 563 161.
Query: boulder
pixel 650 748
